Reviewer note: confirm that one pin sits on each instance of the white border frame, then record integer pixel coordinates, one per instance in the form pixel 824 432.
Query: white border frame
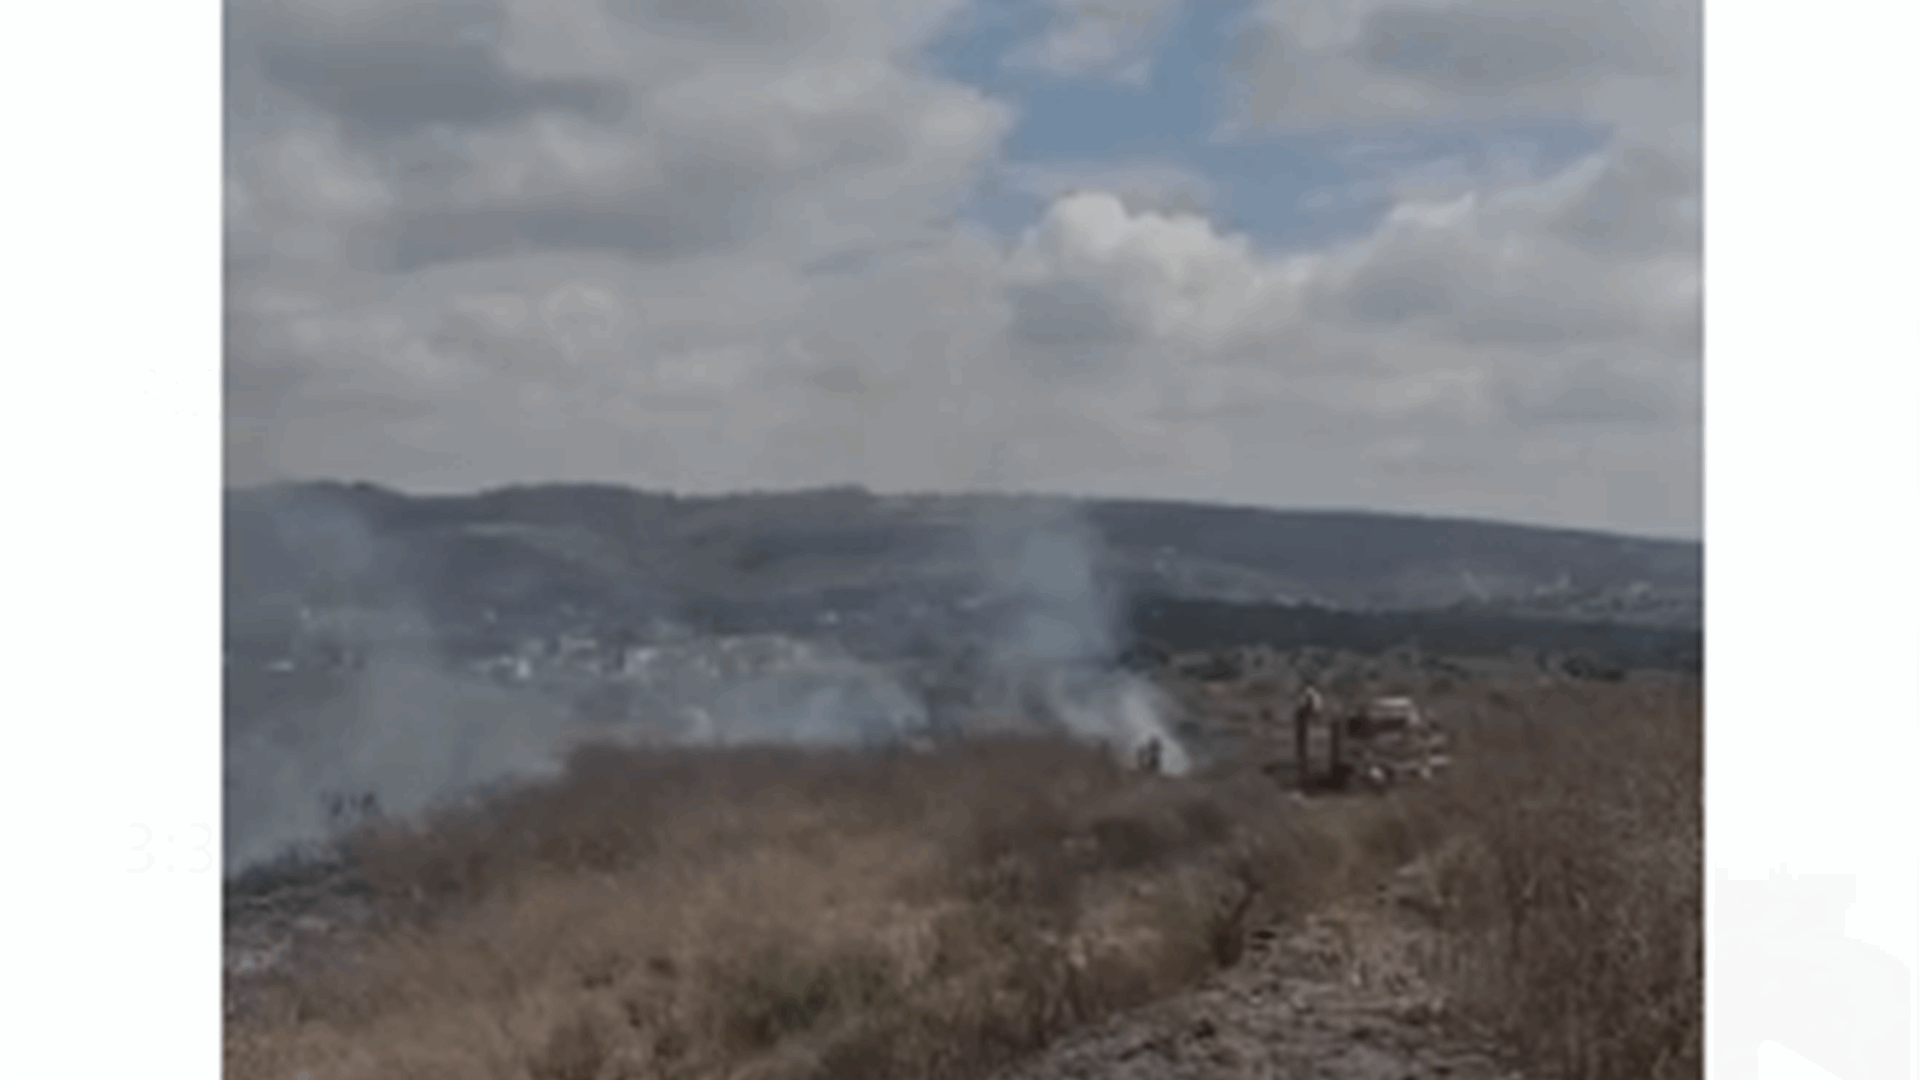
pixel 1813 498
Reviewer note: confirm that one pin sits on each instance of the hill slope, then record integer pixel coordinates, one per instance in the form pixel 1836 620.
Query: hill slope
pixel 521 559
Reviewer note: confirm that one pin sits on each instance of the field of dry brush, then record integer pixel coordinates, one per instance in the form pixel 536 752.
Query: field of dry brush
pixel 779 913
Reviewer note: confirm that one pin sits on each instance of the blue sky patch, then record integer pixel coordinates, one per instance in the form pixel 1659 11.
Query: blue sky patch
pixel 1287 192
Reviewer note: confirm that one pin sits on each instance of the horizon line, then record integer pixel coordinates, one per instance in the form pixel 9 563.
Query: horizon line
pixel 1457 518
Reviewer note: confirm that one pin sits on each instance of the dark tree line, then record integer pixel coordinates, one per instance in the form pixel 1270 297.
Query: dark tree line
pixel 1195 625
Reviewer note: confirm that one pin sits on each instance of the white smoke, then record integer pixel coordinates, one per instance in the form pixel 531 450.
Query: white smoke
pixel 403 728
pixel 406 732
pixel 768 688
pixel 413 733
pixel 1056 644
pixel 410 731
pixel 1113 707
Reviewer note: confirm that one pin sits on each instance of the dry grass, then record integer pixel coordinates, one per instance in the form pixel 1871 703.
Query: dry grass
pixel 782 914
pixel 1575 913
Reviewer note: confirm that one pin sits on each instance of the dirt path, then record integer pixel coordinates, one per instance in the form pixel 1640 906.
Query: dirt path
pixel 1335 998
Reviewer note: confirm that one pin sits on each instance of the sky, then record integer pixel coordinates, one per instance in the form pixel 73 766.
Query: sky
pixel 1428 256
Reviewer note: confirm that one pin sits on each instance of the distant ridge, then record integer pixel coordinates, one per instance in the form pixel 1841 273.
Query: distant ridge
pixel 519 558
pixel 862 493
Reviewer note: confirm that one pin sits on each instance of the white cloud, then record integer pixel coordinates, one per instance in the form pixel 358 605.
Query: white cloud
pixel 1140 185
pixel 1561 312
pixel 1458 330
pixel 676 244
pixel 1307 64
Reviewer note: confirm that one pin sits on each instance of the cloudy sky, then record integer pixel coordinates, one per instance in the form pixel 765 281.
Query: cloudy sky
pixel 1438 256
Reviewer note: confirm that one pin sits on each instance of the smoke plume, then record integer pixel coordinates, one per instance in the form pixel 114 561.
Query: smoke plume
pixel 1056 643
pixel 404 730
pixel 401 728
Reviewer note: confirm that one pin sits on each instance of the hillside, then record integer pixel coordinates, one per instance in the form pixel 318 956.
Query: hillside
pixel 852 760
pixel 486 569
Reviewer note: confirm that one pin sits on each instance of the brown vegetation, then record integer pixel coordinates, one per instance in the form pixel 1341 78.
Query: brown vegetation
pixel 776 913
pixel 1575 910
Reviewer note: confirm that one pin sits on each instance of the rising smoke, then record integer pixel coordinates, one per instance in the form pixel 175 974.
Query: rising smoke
pixel 764 688
pixel 407 729
pixel 408 732
pixel 1057 640
pixel 411 729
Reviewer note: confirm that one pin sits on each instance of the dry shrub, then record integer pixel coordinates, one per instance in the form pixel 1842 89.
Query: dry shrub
pixel 1576 907
pixel 1297 862
pixel 792 914
pixel 784 988
pixel 787 913
pixel 577 1049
